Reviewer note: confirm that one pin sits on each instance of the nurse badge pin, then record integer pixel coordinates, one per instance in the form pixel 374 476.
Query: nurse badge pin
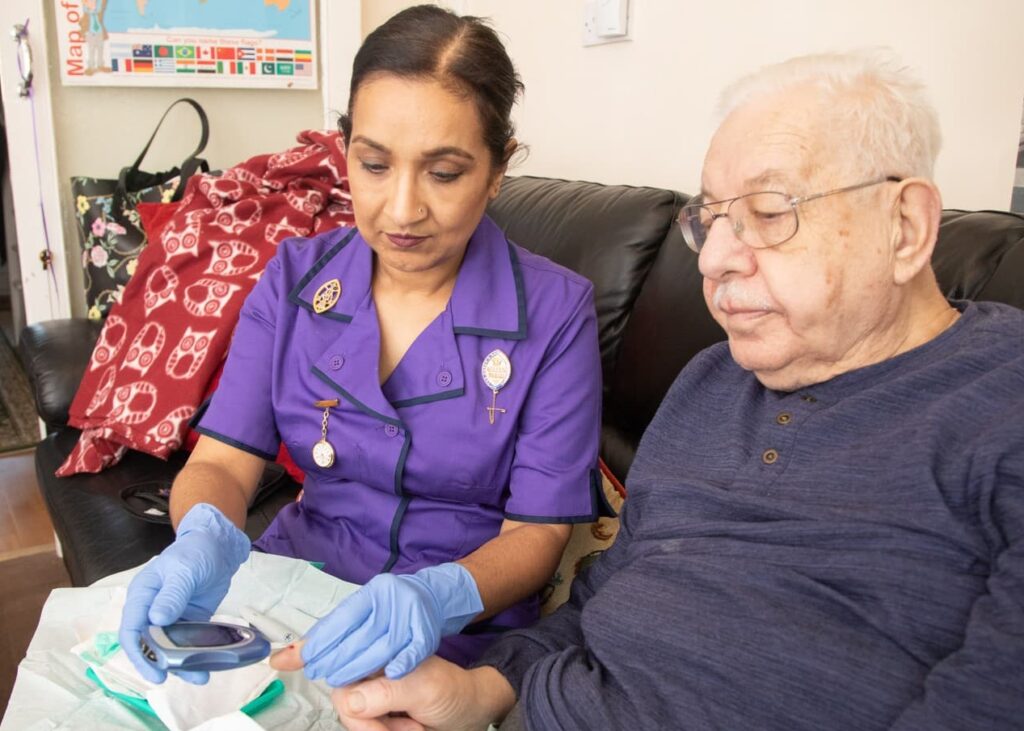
pixel 495 370
pixel 323 452
pixel 327 296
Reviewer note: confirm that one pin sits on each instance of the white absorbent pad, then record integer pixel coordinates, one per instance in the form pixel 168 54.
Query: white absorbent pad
pixel 78 630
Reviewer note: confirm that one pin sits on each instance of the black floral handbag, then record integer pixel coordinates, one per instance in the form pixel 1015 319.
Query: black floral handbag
pixel 109 228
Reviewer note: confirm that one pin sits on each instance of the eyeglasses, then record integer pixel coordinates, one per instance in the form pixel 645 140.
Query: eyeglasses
pixel 759 220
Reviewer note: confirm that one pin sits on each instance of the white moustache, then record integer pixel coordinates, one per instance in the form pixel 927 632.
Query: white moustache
pixel 738 298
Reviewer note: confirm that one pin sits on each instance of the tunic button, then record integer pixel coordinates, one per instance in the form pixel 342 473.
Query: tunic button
pixel 391 430
pixel 444 378
pixel 784 418
pixel 336 362
pixel 770 456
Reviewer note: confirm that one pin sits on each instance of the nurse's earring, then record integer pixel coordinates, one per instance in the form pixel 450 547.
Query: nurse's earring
pixel 323 452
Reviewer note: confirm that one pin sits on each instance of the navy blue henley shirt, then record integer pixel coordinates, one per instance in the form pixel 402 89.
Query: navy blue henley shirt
pixel 850 555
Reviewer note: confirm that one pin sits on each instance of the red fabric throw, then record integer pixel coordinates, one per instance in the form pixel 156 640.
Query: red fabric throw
pixel 168 335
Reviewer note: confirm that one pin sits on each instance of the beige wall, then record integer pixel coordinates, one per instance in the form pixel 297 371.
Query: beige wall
pixel 640 112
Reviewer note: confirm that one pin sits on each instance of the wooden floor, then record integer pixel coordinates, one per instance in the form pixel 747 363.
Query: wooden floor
pixel 29 567
pixel 25 526
pixel 27 582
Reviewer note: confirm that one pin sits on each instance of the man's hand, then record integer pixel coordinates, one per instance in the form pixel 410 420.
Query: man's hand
pixel 436 695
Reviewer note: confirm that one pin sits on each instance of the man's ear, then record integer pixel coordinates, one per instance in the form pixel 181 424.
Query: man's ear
pixel 917 211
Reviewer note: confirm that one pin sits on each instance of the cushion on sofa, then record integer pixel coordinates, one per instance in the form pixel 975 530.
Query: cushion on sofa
pixel 165 338
pixel 586 542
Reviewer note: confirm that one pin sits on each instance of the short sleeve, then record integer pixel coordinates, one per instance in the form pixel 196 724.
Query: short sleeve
pixel 554 476
pixel 241 412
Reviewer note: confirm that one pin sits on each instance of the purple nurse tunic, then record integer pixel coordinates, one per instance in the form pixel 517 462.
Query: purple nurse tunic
pixel 421 475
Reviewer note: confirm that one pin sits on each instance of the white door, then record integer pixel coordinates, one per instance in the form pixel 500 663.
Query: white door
pixel 33 164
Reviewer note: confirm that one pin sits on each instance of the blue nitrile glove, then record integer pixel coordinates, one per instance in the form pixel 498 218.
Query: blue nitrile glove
pixel 394 621
pixel 187 581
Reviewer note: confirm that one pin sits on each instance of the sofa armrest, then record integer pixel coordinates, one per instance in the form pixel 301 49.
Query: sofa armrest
pixel 54 354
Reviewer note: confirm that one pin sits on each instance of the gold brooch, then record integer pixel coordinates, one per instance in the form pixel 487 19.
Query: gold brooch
pixel 326 296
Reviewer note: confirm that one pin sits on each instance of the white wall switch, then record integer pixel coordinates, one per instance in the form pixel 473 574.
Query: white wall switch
pixel 605 21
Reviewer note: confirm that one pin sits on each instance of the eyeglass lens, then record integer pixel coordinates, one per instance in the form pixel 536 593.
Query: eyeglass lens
pixel 758 220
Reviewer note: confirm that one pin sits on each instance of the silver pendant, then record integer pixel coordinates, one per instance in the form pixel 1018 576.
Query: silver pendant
pixel 496 370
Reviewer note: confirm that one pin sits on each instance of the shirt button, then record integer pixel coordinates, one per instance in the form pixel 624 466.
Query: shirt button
pixel 809 398
pixel 770 456
pixel 444 378
pixel 784 418
pixel 336 362
pixel 391 430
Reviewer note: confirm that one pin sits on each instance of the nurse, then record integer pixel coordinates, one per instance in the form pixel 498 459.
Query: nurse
pixel 439 385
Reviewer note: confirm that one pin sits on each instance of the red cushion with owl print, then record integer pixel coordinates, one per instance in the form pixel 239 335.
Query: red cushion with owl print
pixel 167 336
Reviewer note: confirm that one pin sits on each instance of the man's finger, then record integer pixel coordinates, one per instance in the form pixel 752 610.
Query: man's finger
pixel 369 699
pixel 384 723
pixel 288 658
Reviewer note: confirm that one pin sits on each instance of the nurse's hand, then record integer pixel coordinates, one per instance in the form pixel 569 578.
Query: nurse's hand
pixel 187 581
pixel 394 622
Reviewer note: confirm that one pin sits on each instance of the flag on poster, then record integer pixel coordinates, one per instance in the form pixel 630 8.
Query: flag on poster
pixel 187 43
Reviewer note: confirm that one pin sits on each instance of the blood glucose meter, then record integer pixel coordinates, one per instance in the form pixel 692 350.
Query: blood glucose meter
pixel 203 646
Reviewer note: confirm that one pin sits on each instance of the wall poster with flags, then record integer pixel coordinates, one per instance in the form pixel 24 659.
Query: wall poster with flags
pixel 225 43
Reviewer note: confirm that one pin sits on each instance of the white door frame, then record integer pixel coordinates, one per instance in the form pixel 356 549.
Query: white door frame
pixel 340 36
pixel 33 162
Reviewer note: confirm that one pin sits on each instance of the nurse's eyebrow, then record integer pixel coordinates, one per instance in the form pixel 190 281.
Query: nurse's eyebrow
pixel 369 143
pixel 446 151
pixel 428 155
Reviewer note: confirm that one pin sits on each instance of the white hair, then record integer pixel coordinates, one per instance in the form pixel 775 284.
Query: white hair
pixel 885 117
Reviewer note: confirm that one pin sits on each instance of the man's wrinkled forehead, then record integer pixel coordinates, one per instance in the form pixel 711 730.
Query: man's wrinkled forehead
pixel 776 142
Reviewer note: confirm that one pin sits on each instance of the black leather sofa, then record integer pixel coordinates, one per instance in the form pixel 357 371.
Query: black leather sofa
pixel 652 320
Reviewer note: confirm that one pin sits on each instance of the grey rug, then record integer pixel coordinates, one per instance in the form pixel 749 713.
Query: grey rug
pixel 19 427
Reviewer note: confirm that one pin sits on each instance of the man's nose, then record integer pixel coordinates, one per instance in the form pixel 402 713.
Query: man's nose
pixel 724 253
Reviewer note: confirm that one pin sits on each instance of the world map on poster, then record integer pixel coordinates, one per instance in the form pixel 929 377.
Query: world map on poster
pixel 253 43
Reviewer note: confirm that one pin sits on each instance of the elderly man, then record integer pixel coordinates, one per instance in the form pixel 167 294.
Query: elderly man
pixel 825 523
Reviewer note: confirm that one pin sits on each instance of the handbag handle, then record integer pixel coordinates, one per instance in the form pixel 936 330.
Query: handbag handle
pixel 204 135
pixel 188 168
